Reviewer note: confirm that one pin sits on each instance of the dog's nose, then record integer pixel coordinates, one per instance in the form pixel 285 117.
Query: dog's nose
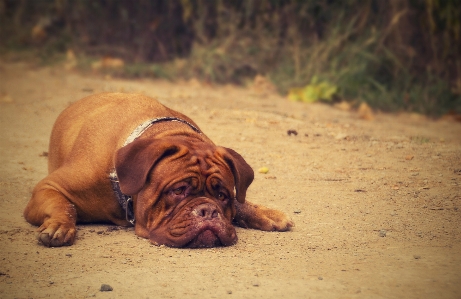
pixel 206 211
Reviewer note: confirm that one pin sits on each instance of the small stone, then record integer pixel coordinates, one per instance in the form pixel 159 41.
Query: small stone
pixel 292 132
pixel 382 233
pixel 341 136
pixel 416 257
pixel 297 211
pixel 105 288
pixel 320 278
pixel 229 292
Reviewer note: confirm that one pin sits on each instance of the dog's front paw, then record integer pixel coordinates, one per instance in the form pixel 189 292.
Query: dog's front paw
pixel 274 220
pixel 258 217
pixel 53 233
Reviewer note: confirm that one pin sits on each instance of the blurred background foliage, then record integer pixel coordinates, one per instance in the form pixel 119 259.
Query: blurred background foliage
pixel 394 54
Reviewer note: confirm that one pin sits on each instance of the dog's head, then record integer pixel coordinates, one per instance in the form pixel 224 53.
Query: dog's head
pixel 183 190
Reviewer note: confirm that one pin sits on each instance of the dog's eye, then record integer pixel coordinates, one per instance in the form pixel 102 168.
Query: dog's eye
pixel 222 196
pixel 179 191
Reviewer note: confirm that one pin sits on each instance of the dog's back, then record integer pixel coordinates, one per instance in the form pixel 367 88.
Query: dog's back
pixel 91 120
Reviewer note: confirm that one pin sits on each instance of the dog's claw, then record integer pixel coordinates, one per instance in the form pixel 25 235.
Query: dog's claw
pixel 56 235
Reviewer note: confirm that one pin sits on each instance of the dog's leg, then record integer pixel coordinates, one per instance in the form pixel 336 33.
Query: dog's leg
pixel 250 215
pixel 52 211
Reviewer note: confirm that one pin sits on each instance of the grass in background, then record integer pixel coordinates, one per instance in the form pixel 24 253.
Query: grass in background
pixel 393 55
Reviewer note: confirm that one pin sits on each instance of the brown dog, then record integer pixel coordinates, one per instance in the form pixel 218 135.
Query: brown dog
pixel 128 160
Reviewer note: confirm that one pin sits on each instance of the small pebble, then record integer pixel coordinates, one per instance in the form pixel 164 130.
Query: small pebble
pixel 341 136
pixel 229 292
pixel 416 257
pixel 382 233
pixel 320 278
pixel 106 288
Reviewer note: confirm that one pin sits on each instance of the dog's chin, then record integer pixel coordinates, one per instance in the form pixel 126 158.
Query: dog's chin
pixel 201 235
pixel 205 239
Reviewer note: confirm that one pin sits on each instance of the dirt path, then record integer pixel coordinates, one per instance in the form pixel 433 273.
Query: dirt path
pixel 377 204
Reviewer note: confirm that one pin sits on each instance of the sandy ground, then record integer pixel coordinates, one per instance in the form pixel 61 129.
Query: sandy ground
pixel 377 204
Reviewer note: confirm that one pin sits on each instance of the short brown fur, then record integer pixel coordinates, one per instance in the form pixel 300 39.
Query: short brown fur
pixel 87 143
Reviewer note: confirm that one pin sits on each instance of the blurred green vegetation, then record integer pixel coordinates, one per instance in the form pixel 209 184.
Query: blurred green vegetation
pixel 394 55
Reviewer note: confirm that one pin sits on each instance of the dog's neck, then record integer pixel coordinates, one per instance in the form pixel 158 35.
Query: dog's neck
pixel 147 124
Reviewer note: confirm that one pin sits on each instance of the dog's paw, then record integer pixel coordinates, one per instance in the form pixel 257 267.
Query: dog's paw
pixel 262 218
pixel 271 220
pixel 54 233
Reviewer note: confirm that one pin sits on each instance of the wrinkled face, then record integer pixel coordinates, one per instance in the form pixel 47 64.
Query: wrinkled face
pixel 187 199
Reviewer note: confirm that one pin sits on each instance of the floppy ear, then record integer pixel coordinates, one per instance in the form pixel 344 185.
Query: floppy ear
pixel 134 161
pixel 243 173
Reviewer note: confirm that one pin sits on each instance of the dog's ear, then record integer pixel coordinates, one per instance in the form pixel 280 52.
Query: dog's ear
pixel 243 173
pixel 134 161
